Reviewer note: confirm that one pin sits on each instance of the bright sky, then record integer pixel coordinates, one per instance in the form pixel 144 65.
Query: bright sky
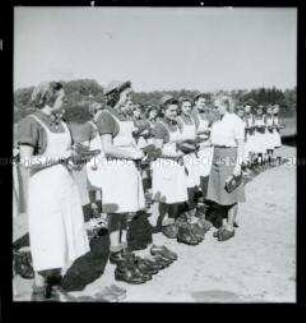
pixel 157 49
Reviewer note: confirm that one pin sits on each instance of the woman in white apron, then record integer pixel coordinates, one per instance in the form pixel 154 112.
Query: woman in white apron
pixel 192 164
pixel 270 133
pixel 56 223
pixel 260 144
pixel 169 181
pixel 204 119
pixel 277 141
pixel 115 172
pixel 249 134
pixel 189 134
pixel 276 125
pixel 83 131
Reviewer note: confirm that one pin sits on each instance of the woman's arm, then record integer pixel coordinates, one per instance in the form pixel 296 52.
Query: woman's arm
pixel 111 151
pixel 240 157
pixel 166 152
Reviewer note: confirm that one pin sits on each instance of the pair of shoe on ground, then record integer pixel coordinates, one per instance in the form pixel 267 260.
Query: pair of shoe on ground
pixel 135 270
pixel 55 293
pixel 186 232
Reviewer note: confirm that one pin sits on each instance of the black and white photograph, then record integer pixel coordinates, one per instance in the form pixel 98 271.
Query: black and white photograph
pixel 154 154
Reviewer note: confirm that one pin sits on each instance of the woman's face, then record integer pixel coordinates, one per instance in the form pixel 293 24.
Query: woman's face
pixel 247 109
pixel 220 107
pixel 269 110
pixel 259 111
pixel 186 107
pixel 276 110
pixel 125 100
pixel 152 114
pixel 136 113
pixel 171 111
pixel 240 113
pixel 58 103
pixel 201 103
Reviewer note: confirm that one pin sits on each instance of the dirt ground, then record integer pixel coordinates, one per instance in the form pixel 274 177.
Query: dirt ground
pixel 257 265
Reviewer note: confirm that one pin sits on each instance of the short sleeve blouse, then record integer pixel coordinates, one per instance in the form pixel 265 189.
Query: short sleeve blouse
pixel 227 131
pixel 32 133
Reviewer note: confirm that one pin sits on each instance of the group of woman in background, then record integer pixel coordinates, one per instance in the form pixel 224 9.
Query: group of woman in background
pixel 176 158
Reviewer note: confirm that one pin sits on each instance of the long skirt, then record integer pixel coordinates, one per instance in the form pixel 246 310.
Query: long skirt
pixel 169 181
pixel 56 223
pixel 224 161
pixel 121 184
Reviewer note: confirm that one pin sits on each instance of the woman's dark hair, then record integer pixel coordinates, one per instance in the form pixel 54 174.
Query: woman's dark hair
pixel 113 97
pixel 165 106
pixel 78 113
pixel 45 94
pixel 150 108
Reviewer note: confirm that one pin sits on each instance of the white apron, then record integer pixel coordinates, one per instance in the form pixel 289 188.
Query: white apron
pixel 56 222
pixel 120 181
pixel 250 143
pixel 169 180
pixel 260 139
pixel 270 134
pixel 205 153
pixel 191 161
pixel 277 142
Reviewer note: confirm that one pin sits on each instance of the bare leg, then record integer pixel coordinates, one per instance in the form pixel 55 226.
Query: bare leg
pixel 39 280
pixel 163 209
pixel 114 220
pixel 232 215
pixel 124 224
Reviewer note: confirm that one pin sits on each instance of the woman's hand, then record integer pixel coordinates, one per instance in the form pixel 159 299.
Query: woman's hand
pixel 237 171
pixel 67 155
pixel 137 154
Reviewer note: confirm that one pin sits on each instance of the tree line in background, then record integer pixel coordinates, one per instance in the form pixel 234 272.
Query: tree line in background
pixel 79 93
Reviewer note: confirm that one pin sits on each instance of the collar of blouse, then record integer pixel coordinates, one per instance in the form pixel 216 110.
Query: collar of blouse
pixel 170 122
pixel 51 119
pixel 186 117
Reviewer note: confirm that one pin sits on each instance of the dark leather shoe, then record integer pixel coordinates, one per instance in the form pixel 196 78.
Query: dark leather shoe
pixel 164 251
pixel 170 230
pixel 145 267
pixel 164 262
pixel 160 264
pixel 129 276
pixel 198 231
pixel 44 294
pixel 226 234
pixel 121 256
pixel 206 225
pixel 218 232
pixel 185 236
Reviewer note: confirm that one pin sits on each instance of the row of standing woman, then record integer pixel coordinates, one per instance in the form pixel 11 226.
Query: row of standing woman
pixel 195 153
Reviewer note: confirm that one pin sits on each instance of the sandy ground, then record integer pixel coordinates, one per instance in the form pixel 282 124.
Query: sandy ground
pixel 257 265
